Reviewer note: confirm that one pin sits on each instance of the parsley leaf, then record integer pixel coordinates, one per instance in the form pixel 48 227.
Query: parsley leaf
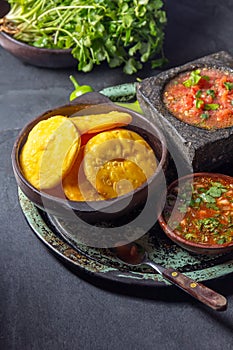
pixel 206 77
pixel 218 184
pixel 209 224
pixel 228 85
pixel 221 240
pixel 204 116
pixel 207 198
pixel 193 79
pixel 214 191
pixel 210 92
pixel 199 103
pixel 198 93
pixel 211 106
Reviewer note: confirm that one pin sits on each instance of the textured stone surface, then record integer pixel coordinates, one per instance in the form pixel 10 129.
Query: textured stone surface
pixel 199 149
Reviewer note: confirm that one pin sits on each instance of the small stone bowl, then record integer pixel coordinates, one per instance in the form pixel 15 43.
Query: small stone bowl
pixel 116 210
pixel 39 57
pixel 198 248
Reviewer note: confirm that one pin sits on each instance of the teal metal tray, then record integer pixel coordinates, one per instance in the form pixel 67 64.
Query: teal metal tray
pixel 101 264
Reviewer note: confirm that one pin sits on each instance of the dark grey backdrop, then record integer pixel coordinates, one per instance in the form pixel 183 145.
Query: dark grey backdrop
pixel 43 305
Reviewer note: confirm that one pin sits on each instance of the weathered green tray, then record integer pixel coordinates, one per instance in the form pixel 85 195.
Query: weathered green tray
pixel 100 263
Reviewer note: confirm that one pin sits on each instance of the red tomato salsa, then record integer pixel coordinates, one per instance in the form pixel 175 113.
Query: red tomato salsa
pixel 202 97
pixel 203 211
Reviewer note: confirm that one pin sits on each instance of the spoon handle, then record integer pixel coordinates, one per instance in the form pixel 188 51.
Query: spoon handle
pixel 197 290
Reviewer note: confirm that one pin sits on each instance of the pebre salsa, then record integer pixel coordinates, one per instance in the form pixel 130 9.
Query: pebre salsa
pixel 201 211
pixel 202 97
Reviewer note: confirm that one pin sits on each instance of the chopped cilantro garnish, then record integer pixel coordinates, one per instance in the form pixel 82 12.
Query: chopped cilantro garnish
pixel 214 191
pixel 209 224
pixel 228 85
pixel 204 116
pixel 198 93
pixel 193 79
pixel 212 206
pixel 199 103
pixel 205 218
pixel 205 77
pixel 207 198
pixel 217 184
pixel 190 236
pixel 211 93
pixel 211 106
pixel 221 240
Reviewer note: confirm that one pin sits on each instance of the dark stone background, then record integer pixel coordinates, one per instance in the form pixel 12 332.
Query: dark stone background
pixel 43 305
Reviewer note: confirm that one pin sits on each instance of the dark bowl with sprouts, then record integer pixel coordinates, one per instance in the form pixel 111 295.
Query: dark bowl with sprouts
pixel 36 56
pixel 92 32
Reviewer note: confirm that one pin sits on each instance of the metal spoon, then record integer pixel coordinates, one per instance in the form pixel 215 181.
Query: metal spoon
pixel 134 254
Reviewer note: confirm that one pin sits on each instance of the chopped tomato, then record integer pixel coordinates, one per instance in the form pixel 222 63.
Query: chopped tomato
pixel 203 97
pixel 202 211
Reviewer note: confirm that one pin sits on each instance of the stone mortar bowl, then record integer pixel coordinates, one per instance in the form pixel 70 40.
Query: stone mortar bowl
pixel 195 148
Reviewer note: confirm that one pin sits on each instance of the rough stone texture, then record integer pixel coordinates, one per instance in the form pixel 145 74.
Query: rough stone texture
pixel 196 148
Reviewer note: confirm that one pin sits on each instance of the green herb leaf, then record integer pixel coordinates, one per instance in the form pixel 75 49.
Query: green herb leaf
pixel 204 116
pixel 198 200
pixel 218 184
pixel 205 77
pixel 228 85
pixel 190 236
pixel 207 198
pixel 199 103
pixel 211 106
pixel 210 92
pixel 209 224
pixel 193 79
pixel 214 191
pixel 221 240
pixel 198 93
pixel 212 206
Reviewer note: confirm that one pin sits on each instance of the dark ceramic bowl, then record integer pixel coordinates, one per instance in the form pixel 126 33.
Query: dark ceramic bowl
pixel 40 57
pixel 197 149
pixel 198 248
pixel 4 8
pixel 105 210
